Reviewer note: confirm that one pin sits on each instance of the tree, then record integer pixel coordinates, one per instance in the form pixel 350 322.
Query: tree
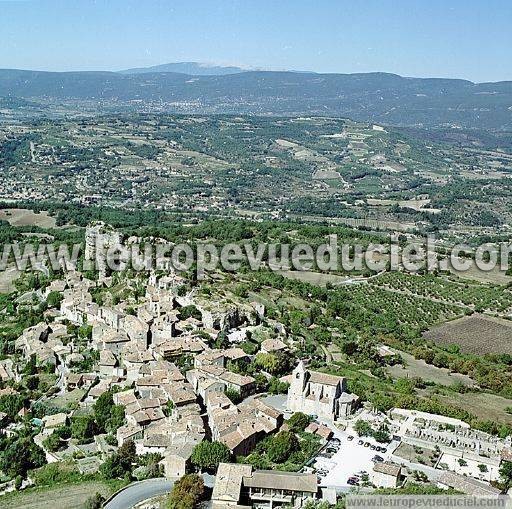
pixel 63 432
pixel 53 442
pixel 363 428
pixel 258 461
pixel 506 473
pixel 281 446
pixel 186 493
pixel 349 348
pixel 32 382
pixel 31 366
pixel 85 332
pixel 83 428
pixel 275 386
pixel 381 436
pixel 117 414
pixel 11 404
pixel 208 455
pixel 234 395
pixel 120 463
pixel 21 455
pixel 148 466
pixel 54 299
pixel 298 422
pixel 190 311
pixel 108 416
pixel 274 363
pixel 249 347
pixel 405 386
pixel 102 409
pixel 261 381
pixel 127 452
pixel 168 409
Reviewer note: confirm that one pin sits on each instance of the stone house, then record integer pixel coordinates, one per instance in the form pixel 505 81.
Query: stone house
pixel 386 475
pixel 238 485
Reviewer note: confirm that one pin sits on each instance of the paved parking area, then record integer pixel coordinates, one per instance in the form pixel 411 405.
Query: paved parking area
pixel 350 459
pixel 278 401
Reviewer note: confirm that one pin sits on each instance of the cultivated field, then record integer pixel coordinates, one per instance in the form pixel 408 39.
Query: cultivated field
pixel 326 174
pixel 487 407
pixel 411 204
pixel 495 276
pixel 24 217
pixel 477 334
pixel 66 496
pixel 315 278
pixel 419 368
pixel 7 278
pixel 356 223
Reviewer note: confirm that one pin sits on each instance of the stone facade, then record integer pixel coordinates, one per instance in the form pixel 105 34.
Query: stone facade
pixel 321 394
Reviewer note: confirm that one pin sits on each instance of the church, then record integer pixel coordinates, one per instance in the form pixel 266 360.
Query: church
pixel 321 394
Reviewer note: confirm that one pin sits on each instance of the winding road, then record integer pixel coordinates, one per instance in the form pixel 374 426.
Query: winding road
pixel 138 492
pixel 143 490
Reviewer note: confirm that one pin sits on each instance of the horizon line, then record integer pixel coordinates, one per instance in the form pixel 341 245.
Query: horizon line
pixel 247 69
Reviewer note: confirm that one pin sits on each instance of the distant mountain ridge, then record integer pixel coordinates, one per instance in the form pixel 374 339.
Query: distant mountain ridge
pixel 371 97
pixel 190 68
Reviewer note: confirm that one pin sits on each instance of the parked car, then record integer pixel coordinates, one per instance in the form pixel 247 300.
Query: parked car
pixel 367 444
pixel 377 459
pixel 350 438
pixel 360 442
pixel 383 449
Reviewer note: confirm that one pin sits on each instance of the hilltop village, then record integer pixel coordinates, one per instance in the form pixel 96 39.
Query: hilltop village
pixel 169 381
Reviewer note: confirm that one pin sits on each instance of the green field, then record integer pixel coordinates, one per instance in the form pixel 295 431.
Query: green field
pixel 64 496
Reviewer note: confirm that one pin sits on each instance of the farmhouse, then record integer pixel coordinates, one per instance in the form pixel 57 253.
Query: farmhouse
pixel 238 484
pixel 386 475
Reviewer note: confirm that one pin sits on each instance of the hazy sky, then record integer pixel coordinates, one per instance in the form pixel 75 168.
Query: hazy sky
pixel 469 39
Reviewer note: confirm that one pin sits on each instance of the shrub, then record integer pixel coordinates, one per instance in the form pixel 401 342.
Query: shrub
pixel 186 493
pixel 95 502
pixel 298 422
pixel 234 396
